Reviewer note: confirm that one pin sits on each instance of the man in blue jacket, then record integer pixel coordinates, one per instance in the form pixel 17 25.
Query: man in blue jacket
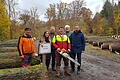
pixel 77 46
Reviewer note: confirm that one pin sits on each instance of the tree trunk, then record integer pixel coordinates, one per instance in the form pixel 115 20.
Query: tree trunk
pixel 114 47
pixel 100 43
pixel 105 46
pixel 95 44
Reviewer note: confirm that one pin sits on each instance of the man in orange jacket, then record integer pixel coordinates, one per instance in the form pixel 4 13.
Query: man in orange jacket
pixel 26 47
pixel 60 42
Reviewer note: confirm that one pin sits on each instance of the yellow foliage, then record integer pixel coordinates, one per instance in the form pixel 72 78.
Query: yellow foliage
pixel 110 31
pixel 4 22
pixel 4 19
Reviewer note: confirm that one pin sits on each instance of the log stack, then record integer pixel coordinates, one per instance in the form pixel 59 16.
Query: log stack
pixel 116 36
pixel 106 42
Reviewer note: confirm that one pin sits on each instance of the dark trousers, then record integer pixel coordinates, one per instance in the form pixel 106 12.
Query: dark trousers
pixel 26 61
pixel 48 58
pixel 41 59
pixel 73 55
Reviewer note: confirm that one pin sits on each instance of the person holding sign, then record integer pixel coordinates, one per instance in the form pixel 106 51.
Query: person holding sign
pixel 60 42
pixel 46 39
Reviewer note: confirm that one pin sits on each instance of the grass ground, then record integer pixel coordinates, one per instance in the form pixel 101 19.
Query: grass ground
pixel 27 73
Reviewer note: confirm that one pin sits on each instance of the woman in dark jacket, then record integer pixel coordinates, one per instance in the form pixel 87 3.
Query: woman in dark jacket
pixel 46 39
pixel 77 46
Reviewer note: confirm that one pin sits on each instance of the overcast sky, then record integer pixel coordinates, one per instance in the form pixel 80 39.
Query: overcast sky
pixel 94 5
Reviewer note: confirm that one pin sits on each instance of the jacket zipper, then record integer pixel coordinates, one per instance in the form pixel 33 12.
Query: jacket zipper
pixel 30 44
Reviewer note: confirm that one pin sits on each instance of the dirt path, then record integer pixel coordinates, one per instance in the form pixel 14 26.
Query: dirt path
pixel 99 68
pixel 94 68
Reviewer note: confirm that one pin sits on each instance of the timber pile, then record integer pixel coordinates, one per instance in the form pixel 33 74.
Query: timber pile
pixel 116 36
pixel 105 42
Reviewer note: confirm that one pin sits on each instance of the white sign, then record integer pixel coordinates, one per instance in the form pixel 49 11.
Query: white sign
pixel 45 48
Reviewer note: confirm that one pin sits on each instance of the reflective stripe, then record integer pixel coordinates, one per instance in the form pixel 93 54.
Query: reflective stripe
pixel 60 38
pixel 54 39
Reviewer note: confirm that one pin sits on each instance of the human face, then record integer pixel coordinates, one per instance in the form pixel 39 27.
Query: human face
pixel 67 28
pixel 61 31
pixel 28 32
pixel 47 34
pixel 76 28
pixel 52 30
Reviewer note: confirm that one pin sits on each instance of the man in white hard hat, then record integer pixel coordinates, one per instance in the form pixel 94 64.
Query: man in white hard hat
pixel 67 30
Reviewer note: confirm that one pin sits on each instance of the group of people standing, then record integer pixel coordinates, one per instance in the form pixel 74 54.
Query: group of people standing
pixel 71 41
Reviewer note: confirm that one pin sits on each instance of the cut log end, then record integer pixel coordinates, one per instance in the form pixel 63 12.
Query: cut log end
pixel 105 46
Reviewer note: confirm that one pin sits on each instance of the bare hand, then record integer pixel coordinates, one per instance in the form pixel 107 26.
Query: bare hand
pixel 69 50
pixel 22 56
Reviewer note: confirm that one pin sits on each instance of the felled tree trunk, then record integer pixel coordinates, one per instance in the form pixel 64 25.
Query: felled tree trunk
pixel 90 42
pixel 95 44
pixel 105 46
pixel 100 43
pixel 114 47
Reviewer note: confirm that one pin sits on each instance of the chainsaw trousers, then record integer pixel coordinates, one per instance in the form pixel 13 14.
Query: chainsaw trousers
pixel 59 58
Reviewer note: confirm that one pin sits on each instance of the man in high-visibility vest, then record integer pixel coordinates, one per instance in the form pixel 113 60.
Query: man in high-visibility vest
pixel 61 41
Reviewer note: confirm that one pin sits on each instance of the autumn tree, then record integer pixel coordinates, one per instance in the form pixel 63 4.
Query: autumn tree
pixel 97 27
pixel 65 13
pixel 117 17
pixel 30 18
pixel 4 21
pixel 11 6
pixel 108 13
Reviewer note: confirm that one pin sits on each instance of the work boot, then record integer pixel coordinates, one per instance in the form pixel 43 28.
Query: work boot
pixel 58 71
pixel 53 69
pixel 72 71
pixel 78 72
pixel 66 71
